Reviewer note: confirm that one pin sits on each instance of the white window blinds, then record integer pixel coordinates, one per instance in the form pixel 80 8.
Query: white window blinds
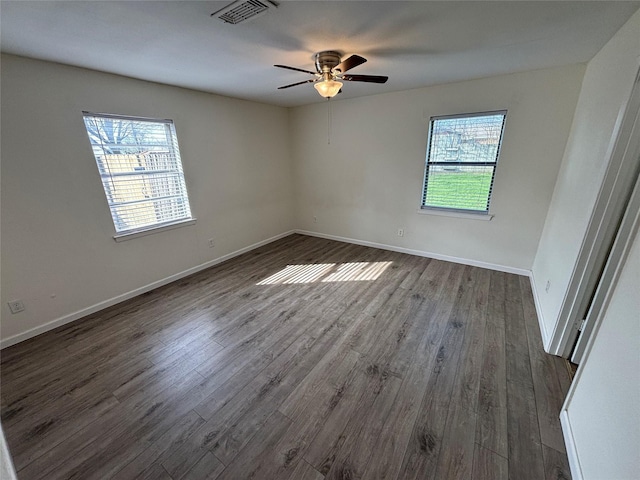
pixel 139 163
pixel 462 154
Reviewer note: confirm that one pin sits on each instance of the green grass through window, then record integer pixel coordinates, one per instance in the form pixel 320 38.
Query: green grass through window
pixel 459 189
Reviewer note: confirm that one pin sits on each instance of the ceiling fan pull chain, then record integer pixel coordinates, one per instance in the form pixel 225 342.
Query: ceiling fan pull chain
pixel 328 120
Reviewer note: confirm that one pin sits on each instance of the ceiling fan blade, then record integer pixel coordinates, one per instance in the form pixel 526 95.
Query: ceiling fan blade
pixel 365 78
pixel 294 84
pixel 295 69
pixel 349 63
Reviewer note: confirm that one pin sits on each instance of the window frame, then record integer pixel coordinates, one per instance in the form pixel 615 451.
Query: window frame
pixel 177 169
pixel 455 211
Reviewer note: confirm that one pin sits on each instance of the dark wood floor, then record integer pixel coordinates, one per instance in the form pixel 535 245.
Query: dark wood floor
pixel 303 359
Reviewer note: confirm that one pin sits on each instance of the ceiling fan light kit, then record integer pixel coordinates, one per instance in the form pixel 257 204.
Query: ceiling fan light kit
pixel 328 88
pixel 330 69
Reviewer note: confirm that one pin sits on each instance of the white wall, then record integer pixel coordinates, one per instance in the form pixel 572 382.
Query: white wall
pixel 56 227
pixel 368 182
pixel 603 409
pixel 7 471
pixel 606 86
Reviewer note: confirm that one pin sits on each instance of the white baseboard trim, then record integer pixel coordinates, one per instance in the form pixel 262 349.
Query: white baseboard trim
pixel 420 253
pixel 572 451
pixel 541 324
pixel 20 337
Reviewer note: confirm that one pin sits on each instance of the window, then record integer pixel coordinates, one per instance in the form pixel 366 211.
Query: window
pixel 462 153
pixel 139 164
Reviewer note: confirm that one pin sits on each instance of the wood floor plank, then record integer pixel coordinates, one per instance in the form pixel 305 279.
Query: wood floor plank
pixel 55 429
pixel 323 383
pixel 278 382
pixel 556 465
pixel 300 358
pixel 65 371
pixel 491 427
pixel 304 471
pixel 252 457
pixel 563 373
pixel 207 468
pixel 422 453
pixel 351 397
pixel 523 430
pixel 115 430
pixel 467 380
pixel 104 452
pixel 399 423
pixel 122 449
pixel 455 461
pixel 418 326
pixel 149 460
pixel 166 374
pixel 351 449
pixel 256 393
pixel 309 416
pixel 62 398
pixel 546 386
pixel 154 472
pixel 229 371
pixel 523 434
pixel 229 430
pixel 488 465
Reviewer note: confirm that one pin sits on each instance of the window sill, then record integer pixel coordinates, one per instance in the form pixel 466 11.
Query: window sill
pixel 123 237
pixel 450 213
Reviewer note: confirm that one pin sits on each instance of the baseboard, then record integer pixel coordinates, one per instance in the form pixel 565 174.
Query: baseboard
pixel 133 293
pixel 541 324
pixel 572 451
pixel 420 253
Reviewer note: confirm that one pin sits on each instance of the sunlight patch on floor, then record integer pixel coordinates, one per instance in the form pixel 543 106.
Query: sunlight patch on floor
pixel 327 272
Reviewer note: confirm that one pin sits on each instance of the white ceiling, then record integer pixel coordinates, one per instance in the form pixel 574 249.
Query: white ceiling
pixel 417 43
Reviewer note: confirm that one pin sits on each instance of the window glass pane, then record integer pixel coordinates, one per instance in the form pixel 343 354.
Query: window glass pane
pixel 139 164
pixel 470 139
pixel 461 159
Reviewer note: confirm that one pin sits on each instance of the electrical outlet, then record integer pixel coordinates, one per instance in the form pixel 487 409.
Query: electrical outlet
pixel 401 232
pixel 16 306
pixel 211 243
pixel 546 289
pixel 315 219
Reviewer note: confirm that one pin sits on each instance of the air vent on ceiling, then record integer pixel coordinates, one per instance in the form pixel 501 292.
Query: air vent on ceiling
pixel 242 10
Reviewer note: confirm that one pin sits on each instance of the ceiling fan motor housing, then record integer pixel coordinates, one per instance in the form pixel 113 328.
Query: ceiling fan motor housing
pixel 326 61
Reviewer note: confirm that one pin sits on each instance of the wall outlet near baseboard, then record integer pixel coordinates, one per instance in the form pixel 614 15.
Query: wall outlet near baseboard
pixel 548 286
pixel 16 306
pixel 401 232
pixel 211 243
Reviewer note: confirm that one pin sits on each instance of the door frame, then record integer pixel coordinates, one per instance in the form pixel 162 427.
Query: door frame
pixel 611 202
pixel 611 272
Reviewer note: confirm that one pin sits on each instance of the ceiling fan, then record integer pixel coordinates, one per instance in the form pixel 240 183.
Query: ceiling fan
pixel 330 70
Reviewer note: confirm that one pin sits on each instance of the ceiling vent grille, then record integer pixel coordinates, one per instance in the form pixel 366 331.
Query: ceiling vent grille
pixel 242 10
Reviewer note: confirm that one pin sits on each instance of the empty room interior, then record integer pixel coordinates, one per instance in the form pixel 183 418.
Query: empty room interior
pixel 316 240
